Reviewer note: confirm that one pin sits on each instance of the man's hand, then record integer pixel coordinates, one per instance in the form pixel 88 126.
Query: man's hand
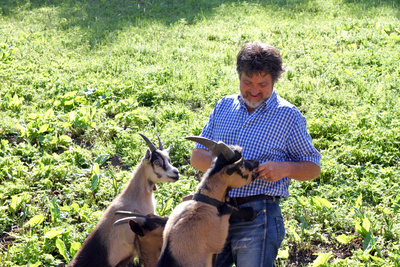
pixel 272 171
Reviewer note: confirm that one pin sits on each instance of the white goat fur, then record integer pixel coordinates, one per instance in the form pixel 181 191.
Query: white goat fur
pixel 137 196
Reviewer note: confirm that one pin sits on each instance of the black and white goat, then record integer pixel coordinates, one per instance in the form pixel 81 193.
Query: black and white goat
pixel 197 229
pixel 149 235
pixel 110 246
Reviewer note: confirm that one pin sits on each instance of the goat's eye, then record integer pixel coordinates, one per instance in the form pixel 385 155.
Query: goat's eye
pixel 158 163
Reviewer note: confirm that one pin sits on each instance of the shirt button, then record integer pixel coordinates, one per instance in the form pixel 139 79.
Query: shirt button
pixel 238 143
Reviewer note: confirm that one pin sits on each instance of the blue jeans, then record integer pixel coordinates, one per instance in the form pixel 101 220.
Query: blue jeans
pixel 255 243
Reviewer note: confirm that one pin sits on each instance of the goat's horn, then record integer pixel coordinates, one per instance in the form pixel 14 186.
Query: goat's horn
pixel 226 151
pixel 149 143
pixel 140 221
pixel 216 147
pixel 160 144
pixel 210 144
pixel 129 213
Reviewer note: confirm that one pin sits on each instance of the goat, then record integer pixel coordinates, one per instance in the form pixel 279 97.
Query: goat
pixel 197 229
pixel 110 246
pixel 149 235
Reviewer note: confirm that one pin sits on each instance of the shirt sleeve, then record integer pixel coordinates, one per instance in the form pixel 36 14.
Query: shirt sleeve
pixel 299 143
pixel 208 130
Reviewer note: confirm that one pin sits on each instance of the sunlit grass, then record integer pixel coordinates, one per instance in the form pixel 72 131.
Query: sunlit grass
pixel 77 83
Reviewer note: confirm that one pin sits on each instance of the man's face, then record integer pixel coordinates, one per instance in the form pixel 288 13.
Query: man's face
pixel 255 89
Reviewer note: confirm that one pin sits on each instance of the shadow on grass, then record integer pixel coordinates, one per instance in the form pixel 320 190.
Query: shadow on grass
pixel 97 18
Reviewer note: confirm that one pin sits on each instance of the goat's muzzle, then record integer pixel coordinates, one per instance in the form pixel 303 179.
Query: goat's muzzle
pixel 251 165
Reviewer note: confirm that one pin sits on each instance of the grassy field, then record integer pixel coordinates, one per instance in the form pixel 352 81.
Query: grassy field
pixel 80 79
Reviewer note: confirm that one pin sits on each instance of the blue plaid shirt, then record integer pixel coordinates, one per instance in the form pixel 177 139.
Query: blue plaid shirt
pixel 274 131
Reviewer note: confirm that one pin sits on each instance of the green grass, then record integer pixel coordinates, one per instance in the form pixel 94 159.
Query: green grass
pixel 78 82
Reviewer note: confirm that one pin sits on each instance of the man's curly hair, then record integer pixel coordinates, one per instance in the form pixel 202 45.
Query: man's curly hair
pixel 256 57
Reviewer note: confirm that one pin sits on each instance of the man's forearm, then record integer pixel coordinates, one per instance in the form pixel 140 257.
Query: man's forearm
pixel 201 159
pixel 273 171
pixel 304 170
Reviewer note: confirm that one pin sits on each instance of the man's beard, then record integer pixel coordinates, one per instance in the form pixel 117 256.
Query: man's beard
pixel 253 104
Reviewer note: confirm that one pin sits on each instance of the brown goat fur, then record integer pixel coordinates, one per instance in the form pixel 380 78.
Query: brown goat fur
pixel 117 243
pixel 149 236
pixel 197 230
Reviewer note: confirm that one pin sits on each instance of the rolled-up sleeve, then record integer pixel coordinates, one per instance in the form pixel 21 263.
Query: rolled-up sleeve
pixel 299 143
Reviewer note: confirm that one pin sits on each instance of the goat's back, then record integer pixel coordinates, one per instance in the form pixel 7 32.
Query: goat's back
pixel 195 227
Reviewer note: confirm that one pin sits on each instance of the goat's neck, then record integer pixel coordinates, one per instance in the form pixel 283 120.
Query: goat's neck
pixel 213 187
pixel 139 185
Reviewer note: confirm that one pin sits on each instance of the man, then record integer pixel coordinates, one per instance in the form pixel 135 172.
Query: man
pixel 270 130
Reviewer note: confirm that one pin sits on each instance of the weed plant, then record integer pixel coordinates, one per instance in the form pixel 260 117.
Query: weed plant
pixel 80 79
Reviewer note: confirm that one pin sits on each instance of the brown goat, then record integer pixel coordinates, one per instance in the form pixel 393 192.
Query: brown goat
pixel 197 228
pixel 149 235
pixel 110 246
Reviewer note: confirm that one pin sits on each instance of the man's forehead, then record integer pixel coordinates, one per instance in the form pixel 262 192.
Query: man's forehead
pixel 250 75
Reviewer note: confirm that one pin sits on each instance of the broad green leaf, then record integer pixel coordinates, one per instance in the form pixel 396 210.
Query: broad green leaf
pixel 303 201
pixel 96 168
pixel 52 233
pixel 377 259
pixel 95 182
pixel 322 259
pixel 169 204
pixel 37 264
pixel 54 210
pixel 348 71
pixel 70 94
pixel 359 229
pixel 43 128
pixel 32 116
pixel 283 254
pixel 75 247
pixel 38 219
pixel 143 117
pixel 396 206
pixel 358 203
pixel 324 202
pixel 75 206
pixel 366 224
pixel 296 235
pixel 62 249
pixel 395 37
pixel 367 244
pixel 345 239
pixel 65 139
pixel 15 202
pixel 101 159
pixel 49 114
pixel 69 102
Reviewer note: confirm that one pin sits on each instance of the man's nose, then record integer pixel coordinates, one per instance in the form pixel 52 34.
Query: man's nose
pixel 254 90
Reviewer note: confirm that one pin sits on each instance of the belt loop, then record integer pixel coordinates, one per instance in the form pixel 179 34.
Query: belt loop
pixel 234 202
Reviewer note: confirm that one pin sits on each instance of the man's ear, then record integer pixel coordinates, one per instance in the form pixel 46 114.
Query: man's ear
pixel 147 157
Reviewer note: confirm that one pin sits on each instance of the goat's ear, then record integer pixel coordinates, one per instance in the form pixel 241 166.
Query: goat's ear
pixel 147 157
pixel 136 228
pixel 168 149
